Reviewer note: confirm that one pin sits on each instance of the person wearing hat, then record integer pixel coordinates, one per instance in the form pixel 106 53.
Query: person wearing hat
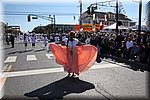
pixel 12 39
pixel 74 56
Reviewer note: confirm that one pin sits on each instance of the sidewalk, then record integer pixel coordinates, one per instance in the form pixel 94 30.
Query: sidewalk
pixel 135 65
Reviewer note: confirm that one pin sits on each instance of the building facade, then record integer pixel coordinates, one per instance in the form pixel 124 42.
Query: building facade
pixel 106 18
pixel 148 15
pixel 64 28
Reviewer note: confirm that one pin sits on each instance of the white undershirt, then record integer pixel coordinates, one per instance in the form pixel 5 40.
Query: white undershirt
pixel 71 44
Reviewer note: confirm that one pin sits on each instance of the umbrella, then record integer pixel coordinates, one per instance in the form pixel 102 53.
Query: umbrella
pixel 113 26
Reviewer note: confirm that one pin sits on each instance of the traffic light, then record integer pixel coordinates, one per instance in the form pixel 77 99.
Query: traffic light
pixel 92 11
pixel 88 11
pixel 29 18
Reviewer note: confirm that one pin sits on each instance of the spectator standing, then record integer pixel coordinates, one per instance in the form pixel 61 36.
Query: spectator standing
pixel 7 39
pixel 25 37
pixel 99 46
pixel 45 40
pixel 88 40
pixel 29 37
pixel 12 39
pixel 129 44
pixel 57 39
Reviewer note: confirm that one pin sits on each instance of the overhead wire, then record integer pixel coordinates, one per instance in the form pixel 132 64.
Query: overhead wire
pixel 37 13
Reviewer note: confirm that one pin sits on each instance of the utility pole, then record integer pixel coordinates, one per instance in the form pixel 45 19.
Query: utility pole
pixel 50 23
pixel 116 17
pixel 140 13
pixel 54 23
pixel 80 1
pixel 108 4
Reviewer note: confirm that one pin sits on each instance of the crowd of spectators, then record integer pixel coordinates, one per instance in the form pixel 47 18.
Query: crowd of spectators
pixel 130 46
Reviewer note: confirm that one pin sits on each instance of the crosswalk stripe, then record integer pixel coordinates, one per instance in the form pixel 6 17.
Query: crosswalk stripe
pixel 31 57
pixel 50 70
pixel 10 59
pixel 4 77
pixel 49 56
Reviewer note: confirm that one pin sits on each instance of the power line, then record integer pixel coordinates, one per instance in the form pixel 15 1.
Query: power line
pixel 37 13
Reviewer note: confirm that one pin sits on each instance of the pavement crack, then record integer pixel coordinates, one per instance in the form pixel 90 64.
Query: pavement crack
pixel 104 93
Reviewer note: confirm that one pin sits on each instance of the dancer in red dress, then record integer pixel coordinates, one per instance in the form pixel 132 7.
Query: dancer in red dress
pixel 74 57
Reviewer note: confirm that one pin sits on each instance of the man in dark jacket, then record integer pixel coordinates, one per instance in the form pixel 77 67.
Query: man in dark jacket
pixel 12 39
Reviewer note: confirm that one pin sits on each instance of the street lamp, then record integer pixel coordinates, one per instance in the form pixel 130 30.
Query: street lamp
pixel 117 17
pixel 140 13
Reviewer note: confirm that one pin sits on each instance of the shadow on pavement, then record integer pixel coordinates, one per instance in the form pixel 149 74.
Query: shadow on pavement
pixel 60 88
pixel 6 48
pixel 134 65
pixel 39 50
pixel 22 51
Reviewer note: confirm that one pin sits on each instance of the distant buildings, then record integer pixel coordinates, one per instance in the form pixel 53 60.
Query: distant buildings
pixel 106 18
pixel 89 23
pixel 64 28
pixel 148 15
pixel 13 29
pixel 9 29
pixel 57 28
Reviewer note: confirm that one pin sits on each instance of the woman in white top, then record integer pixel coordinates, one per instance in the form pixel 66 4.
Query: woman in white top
pixel 74 57
pixel 33 40
pixel 71 43
pixel 45 40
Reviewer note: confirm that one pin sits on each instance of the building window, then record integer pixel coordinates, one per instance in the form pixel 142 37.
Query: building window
pixel 114 16
pixel 109 15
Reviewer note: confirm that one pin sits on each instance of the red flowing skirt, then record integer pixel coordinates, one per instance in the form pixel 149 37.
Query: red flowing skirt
pixel 77 60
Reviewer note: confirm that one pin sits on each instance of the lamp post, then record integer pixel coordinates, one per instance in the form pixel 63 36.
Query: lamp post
pixel 140 13
pixel 117 17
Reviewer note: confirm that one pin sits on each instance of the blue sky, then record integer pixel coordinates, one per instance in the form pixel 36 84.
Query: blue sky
pixel 63 9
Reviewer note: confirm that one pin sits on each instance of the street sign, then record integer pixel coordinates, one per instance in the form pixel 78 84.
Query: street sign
pixel 35 17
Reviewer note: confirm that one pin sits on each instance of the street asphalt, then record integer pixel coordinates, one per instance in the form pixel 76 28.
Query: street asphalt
pixel 44 79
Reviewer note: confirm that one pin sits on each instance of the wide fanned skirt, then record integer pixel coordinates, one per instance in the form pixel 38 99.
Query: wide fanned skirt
pixel 77 60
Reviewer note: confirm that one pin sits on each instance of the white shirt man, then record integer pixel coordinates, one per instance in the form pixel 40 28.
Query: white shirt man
pixel 129 44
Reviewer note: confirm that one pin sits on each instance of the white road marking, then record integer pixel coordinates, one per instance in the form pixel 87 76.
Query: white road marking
pixel 10 59
pixel 3 78
pixel 50 70
pixel 49 56
pixel 103 66
pixel 31 57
